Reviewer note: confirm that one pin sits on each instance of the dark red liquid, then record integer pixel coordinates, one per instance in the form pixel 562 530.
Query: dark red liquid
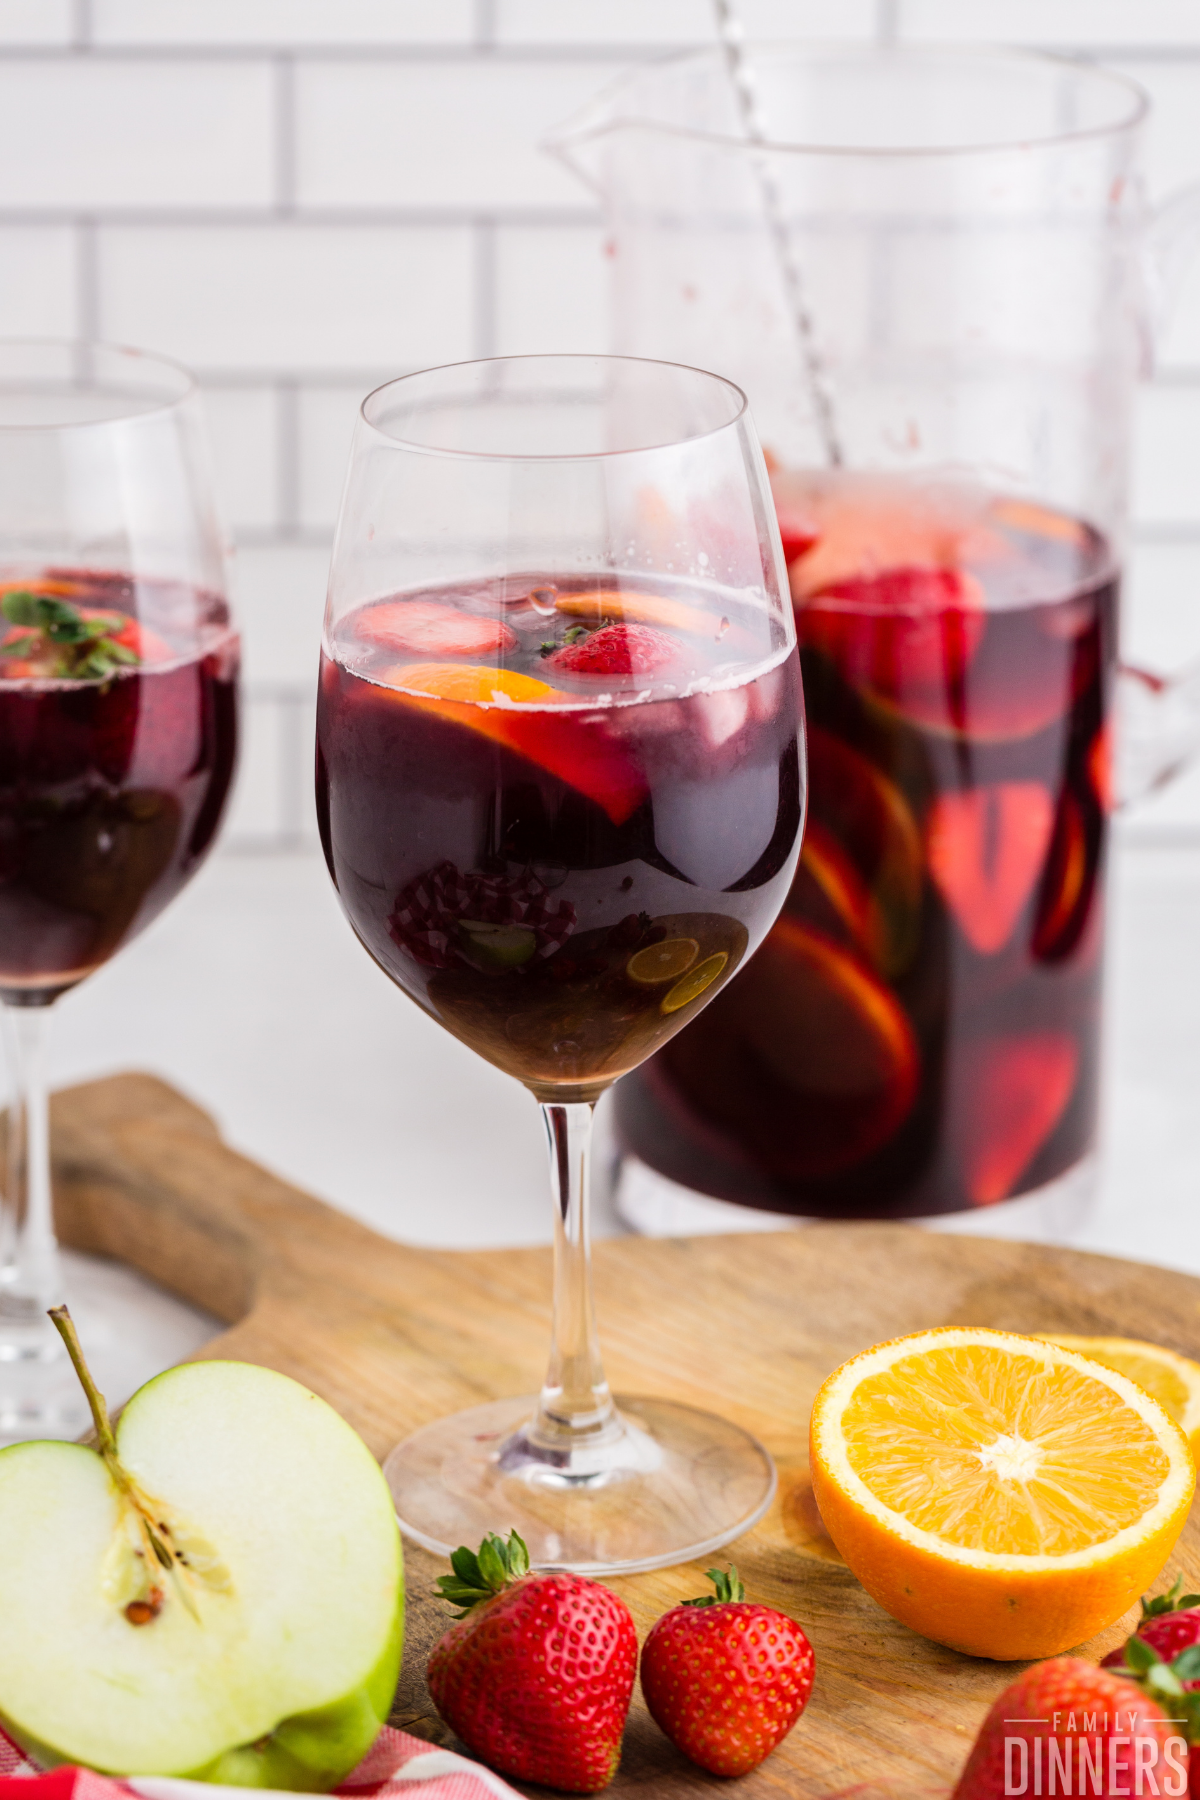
pixel 561 884
pixel 111 790
pixel 920 1032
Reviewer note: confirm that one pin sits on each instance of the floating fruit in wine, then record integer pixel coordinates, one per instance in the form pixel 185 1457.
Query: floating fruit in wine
pixel 918 1034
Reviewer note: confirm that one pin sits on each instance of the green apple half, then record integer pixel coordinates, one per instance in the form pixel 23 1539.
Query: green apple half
pixel 217 1591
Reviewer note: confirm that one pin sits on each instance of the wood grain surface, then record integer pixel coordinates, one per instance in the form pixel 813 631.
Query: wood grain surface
pixel 749 1326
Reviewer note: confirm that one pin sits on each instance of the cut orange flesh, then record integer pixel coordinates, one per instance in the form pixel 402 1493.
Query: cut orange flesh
pixel 624 606
pixel 1172 1380
pixel 493 702
pixel 1000 1494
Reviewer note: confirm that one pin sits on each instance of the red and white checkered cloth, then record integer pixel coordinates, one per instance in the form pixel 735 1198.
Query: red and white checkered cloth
pixel 427 910
pixel 396 1765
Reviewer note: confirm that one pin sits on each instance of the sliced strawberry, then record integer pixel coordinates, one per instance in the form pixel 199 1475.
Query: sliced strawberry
pixel 426 628
pixel 145 643
pixel 798 531
pixel 617 650
pixel 1100 768
pixel 518 711
pixel 1014 1092
pixel 907 635
pixel 986 848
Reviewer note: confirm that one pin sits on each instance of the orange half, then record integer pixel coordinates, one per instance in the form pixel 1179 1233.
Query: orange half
pixel 999 1494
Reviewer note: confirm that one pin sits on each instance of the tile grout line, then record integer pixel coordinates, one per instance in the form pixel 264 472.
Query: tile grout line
pixel 484 297
pixel 287 458
pixel 87 282
pixel 284 104
pixel 81 25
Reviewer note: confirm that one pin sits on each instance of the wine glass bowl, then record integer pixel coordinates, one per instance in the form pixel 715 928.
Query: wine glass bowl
pixel 118 727
pixel 560 785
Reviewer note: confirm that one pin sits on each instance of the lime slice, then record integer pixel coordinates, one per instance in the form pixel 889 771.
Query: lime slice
pixel 498 946
pixel 695 982
pixel 659 963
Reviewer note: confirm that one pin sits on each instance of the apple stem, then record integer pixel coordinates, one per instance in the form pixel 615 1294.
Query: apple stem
pixel 64 1324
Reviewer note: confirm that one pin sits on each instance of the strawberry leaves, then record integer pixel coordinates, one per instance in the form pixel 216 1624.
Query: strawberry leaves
pixel 729 1587
pixel 1171 1601
pixel 87 646
pixel 1165 1682
pixel 478 1577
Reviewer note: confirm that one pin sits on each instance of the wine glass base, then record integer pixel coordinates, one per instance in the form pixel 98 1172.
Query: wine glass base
pixel 675 1485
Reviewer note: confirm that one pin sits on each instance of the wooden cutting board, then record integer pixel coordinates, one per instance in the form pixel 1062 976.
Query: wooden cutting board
pixel 748 1326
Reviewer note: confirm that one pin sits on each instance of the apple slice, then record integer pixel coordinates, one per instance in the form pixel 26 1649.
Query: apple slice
pixel 520 712
pixel 986 850
pixel 215 1591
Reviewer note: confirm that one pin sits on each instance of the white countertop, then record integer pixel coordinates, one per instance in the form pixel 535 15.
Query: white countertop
pixel 253 997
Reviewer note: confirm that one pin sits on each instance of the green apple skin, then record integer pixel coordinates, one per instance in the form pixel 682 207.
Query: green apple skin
pixel 308 1603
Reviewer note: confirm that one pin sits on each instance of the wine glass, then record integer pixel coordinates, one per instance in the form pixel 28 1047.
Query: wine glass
pixel 560 786
pixel 118 668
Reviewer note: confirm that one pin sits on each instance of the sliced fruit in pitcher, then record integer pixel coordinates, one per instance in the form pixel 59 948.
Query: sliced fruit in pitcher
pixel 901 632
pixel 492 702
pixel 829 885
pixel 826 1027
pixel 812 1057
pixel 986 848
pixel 1100 768
pixel 1067 885
pixel 428 628
pixel 860 825
pixel 1015 1090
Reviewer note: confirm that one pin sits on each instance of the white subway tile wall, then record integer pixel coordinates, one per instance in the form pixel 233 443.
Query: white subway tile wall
pixel 302 197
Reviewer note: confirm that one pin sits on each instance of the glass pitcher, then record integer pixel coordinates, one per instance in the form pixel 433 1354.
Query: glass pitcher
pixel 937 277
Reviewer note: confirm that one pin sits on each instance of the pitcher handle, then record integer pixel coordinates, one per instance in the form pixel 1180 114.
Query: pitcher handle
pixel 1171 240
pixel 1158 728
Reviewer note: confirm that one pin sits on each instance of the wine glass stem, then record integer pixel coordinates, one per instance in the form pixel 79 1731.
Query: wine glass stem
pixel 575 1405
pixel 30 1271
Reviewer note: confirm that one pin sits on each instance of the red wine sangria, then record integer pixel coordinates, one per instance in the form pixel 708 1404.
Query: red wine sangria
pixel 118 665
pixel 560 787
pixel 920 1032
pixel 117 746
pixel 570 829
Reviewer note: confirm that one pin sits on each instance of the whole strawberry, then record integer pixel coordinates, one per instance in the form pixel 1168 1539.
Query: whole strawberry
pixel 1066 1725
pixel 1169 1624
pixel 615 650
pixel 726 1679
pixel 537 1675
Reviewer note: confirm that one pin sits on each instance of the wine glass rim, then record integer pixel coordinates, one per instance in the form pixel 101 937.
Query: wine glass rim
pixel 83 352
pixel 591 123
pixel 398 442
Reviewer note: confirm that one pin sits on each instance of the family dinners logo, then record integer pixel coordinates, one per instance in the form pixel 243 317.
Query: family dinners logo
pixel 1072 1761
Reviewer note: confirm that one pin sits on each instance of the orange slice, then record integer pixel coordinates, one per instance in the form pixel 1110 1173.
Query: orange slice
pixel 695 983
pixel 1173 1380
pixel 999 1494
pixel 660 963
pixel 519 712
pixel 624 606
